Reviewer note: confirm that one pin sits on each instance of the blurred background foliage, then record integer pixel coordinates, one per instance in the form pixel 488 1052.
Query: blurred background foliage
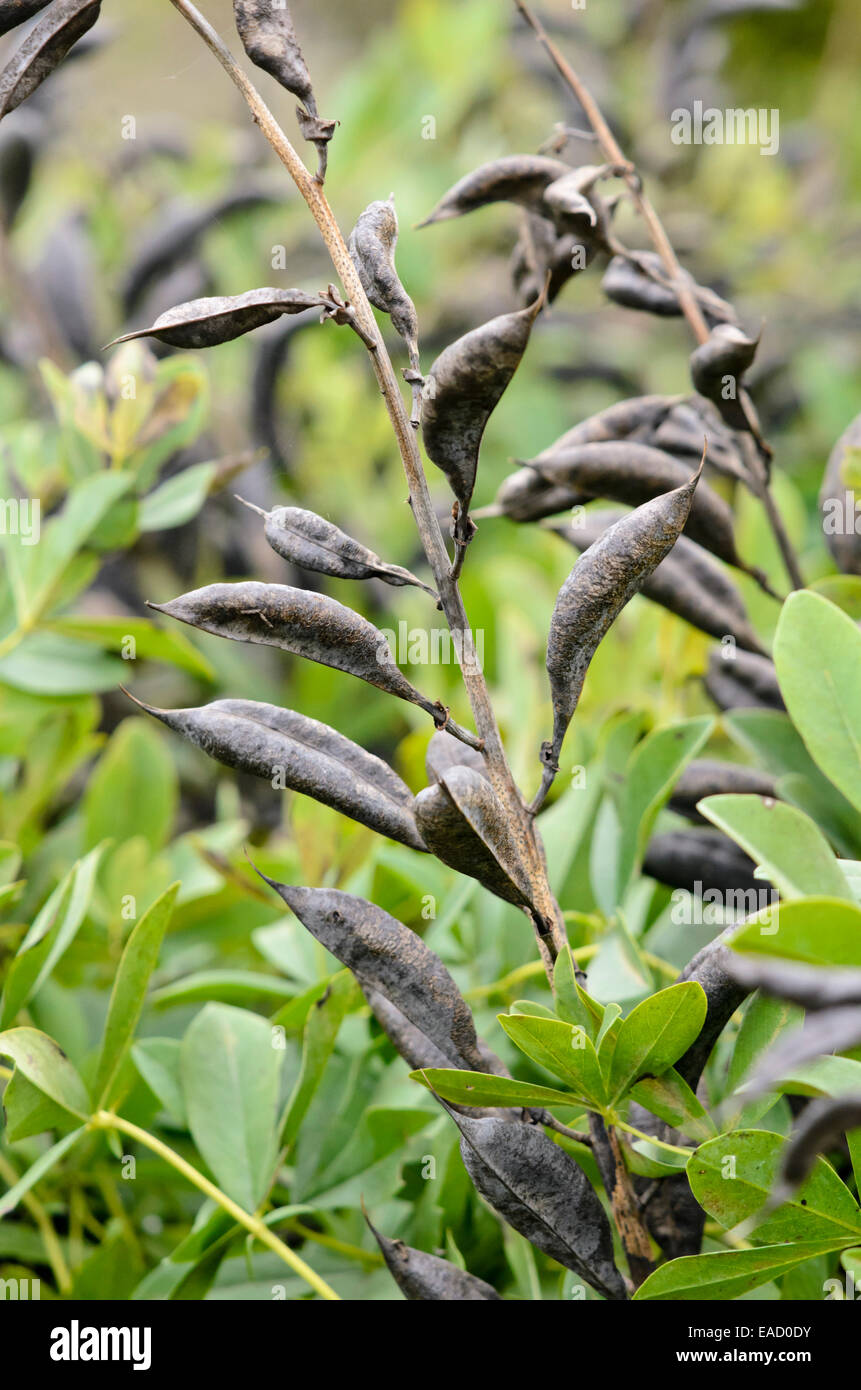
pixel 425 90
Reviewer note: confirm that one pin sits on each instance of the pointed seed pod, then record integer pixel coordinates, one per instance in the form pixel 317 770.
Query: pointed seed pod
pixel 444 753
pixel 387 957
pixel 708 777
pixel 516 178
pixel 541 256
pixel 292 751
pixel 837 502
pixel 644 286
pixel 44 49
pixel 597 589
pixel 308 540
pixel 749 681
pixel 269 38
pixel 689 583
pixel 463 823
pixel 204 323
pixel 700 861
pixel 15 12
pixel 372 249
pixel 425 1278
pixel 307 624
pixel 538 1190
pixel 462 389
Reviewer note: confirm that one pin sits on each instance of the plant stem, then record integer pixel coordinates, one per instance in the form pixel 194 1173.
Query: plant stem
pixel 614 154
pixel 105 1119
pixel 550 931
pixel 626 1209
pixel 53 1249
pixel 650 1139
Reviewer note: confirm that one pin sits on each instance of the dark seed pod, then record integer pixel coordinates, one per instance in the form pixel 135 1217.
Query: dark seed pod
pixel 701 861
pixel 463 823
pixel 633 473
pixel 174 236
pixel 444 753
pixel 538 1190
pixel 832 1030
pixel 372 248
pixel 298 621
pixel 813 987
pixel 425 1278
pixel 708 777
pixel 542 257
pixel 710 968
pixel 295 752
pixel 597 589
pixel 418 1050
pixel 567 200
pixel 681 434
pixel 67 279
pixel 647 289
pixel 14 12
pixel 717 368
pixel 204 323
pixel 44 49
pixel 308 540
pixel 820 1129
pixel 463 387
pixel 837 502
pixel 268 37
pixel 688 583
pixel 526 496
pixel 385 956
pixel 516 178
pixel 747 682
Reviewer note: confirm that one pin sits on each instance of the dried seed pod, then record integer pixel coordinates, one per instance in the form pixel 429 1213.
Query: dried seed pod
pixel 701 861
pixel 542 257
pixel 628 472
pixel 832 1030
pixel 597 589
pixel 44 49
pixel 298 621
pixel 14 12
pixel 417 1049
pixel 537 1189
pixel 174 235
pixel 710 968
pixel 300 754
pixel 748 681
pixel 643 285
pixel 308 540
pixel 717 367
pixel 688 583
pixel 463 387
pixel 813 987
pixel 620 420
pixel 372 249
pixel 837 502
pixel 566 199
pixel 681 434
pixel 268 37
pixel 516 178
pixel 525 496
pixel 444 753
pixel 387 957
pixel 708 777
pixel 463 823
pixel 204 323
pixel 425 1278
pixel 819 1129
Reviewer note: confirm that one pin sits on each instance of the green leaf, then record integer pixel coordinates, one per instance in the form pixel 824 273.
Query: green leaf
pixel 52 932
pixel 727 1274
pixel 321 1031
pixel 158 1061
pixel 229 1070
pixel 223 986
pixel 817 653
pixel 46 1067
pixel 133 790
pixel 569 1004
pixel 565 1050
pixel 656 1034
pixel 670 1098
pixel 820 931
pixel 46 664
pixel 652 771
pixel 479 1088
pixel 44 1163
pixel 28 1111
pixel 733 1176
pixel 177 500
pixel 791 849
pixel 765 1020
pixel 129 991
pixel 147 642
